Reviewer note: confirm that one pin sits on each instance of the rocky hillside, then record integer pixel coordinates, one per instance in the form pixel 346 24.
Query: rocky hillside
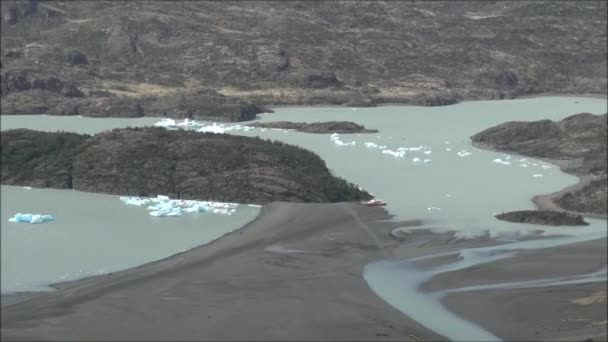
pixel 217 58
pixel 184 164
pixel 578 143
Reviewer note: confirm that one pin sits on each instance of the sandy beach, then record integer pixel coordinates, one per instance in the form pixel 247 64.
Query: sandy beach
pixel 248 285
pixel 295 273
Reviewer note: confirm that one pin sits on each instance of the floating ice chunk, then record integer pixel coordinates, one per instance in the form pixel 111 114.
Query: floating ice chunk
pixel 415 148
pixel 546 167
pixel 416 160
pixel 163 198
pixel 433 209
pixel 249 128
pixel 537 175
pixel 370 144
pixel 448 149
pixel 428 152
pixel 427 161
pixel 234 128
pixel 396 154
pixel 448 195
pixel 334 136
pixel 524 165
pixel 500 161
pixel 188 123
pixel 30 218
pixel 464 153
pixel 522 159
pixel 217 129
pixel 254 205
pixel 342 143
pixel 167 123
pixel 27 187
pixel 382 147
pixel 264 129
pixel 447 142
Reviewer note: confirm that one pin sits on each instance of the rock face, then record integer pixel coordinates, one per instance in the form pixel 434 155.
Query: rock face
pixel 317 127
pixel 543 217
pixel 579 142
pixel 581 137
pixel 310 52
pixel 189 165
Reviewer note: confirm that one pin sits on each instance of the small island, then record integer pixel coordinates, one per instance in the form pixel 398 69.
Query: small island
pixel 179 164
pixel 342 127
pixel 544 217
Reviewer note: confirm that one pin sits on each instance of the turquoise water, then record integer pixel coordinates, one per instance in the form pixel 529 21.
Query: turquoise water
pixel 451 192
pixel 94 234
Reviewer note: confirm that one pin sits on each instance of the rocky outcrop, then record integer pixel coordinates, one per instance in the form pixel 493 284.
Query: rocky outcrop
pixel 180 164
pixel 24 93
pixel 18 81
pixel 317 127
pixel 581 138
pixel 431 100
pixel 579 143
pixel 543 217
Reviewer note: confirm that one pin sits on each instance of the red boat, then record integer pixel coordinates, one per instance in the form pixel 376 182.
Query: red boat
pixel 374 203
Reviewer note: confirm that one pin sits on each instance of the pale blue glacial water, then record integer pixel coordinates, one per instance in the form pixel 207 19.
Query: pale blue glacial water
pixel 468 191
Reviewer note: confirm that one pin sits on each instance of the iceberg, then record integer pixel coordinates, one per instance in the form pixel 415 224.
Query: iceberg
pixel 167 123
pixel 464 153
pixel 416 160
pixel 30 218
pixel 370 145
pixel 396 154
pixel 500 161
pixel 428 152
pixel 188 123
pixel 215 128
pixel 164 206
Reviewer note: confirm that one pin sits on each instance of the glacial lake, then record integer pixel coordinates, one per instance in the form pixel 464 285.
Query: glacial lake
pixel 441 178
pixel 94 234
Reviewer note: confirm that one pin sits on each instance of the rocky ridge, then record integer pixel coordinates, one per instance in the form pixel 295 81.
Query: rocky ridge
pixel 218 59
pixel 578 144
pixel 178 164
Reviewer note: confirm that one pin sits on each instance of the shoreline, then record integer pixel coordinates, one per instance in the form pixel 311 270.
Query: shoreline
pixel 545 201
pixel 295 258
pixel 407 104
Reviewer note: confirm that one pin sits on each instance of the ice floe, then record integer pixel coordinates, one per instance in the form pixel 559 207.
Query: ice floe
pixel 537 175
pixel 215 128
pixel 167 123
pixel 30 218
pixel 464 153
pixel 163 206
pixel 396 154
pixel 188 123
pixel 500 161
pixel 335 137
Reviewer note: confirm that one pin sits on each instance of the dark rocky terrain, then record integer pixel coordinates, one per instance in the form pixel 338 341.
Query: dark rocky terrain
pixel 219 58
pixel 317 127
pixel 543 217
pixel 180 164
pixel 578 144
